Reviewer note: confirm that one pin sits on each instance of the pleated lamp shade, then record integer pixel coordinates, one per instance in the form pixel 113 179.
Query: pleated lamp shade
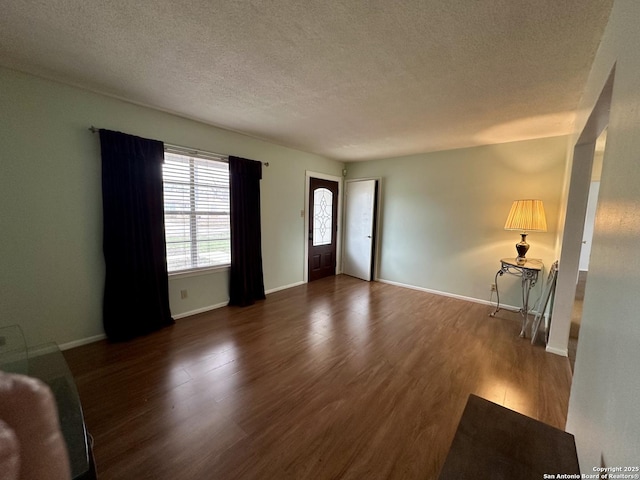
pixel 526 216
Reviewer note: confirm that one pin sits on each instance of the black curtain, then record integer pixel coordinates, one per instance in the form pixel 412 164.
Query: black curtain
pixel 136 292
pixel 246 282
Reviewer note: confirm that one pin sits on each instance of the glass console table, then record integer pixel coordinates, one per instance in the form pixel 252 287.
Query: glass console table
pixel 528 271
pixel 47 363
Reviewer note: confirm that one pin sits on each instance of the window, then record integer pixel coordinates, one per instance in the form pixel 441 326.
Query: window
pixel 196 210
pixel 322 213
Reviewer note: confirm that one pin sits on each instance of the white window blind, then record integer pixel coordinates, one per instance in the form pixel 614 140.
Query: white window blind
pixel 196 210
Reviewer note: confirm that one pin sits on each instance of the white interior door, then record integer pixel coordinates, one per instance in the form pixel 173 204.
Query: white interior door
pixel 359 228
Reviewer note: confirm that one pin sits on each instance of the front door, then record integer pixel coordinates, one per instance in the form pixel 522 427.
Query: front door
pixel 323 226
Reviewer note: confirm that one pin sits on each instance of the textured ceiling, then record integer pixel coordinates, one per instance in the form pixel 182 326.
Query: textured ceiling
pixel 350 80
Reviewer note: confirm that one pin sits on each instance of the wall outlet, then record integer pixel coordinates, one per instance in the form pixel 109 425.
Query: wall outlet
pixel 183 294
pixel 493 287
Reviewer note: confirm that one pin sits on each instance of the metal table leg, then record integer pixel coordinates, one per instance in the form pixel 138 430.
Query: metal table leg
pixel 526 289
pixel 528 272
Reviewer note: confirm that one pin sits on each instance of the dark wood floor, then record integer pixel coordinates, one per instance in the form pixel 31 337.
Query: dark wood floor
pixel 335 379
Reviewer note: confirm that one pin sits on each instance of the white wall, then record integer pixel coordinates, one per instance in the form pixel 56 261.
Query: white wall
pixel 51 263
pixel 443 214
pixel 604 408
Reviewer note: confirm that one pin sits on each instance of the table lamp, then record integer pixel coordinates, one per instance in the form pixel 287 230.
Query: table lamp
pixel 526 216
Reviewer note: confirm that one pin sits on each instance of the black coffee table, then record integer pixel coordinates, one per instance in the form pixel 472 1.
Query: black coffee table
pixel 496 443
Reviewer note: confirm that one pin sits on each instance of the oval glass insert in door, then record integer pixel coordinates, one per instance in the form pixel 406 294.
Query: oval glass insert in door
pixel 322 216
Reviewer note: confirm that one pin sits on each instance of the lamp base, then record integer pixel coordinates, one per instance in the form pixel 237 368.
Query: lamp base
pixel 522 247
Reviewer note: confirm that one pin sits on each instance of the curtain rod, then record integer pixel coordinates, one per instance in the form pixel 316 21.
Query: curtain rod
pixel 93 129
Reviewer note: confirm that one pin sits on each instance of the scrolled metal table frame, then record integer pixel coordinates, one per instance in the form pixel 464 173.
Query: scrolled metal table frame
pixel 528 272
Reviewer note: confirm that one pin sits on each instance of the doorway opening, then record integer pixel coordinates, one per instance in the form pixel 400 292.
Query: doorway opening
pixel 582 171
pixel 585 251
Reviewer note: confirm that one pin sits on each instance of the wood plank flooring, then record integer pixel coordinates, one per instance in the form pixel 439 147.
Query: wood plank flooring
pixel 336 379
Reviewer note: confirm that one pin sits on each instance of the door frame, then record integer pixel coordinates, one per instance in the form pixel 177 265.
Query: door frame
pixel 376 232
pixel 574 218
pixel 307 192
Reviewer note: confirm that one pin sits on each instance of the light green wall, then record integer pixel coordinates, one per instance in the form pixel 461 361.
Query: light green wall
pixel 51 263
pixel 604 407
pixel 443 214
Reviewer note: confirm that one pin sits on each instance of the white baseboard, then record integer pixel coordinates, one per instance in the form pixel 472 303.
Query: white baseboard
pixel 178 316
pixel 563 352
pixel 224 304
pixel 446 294
pixel 284 287
pixel 208 308
pixel 82 341
pixel 102 336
